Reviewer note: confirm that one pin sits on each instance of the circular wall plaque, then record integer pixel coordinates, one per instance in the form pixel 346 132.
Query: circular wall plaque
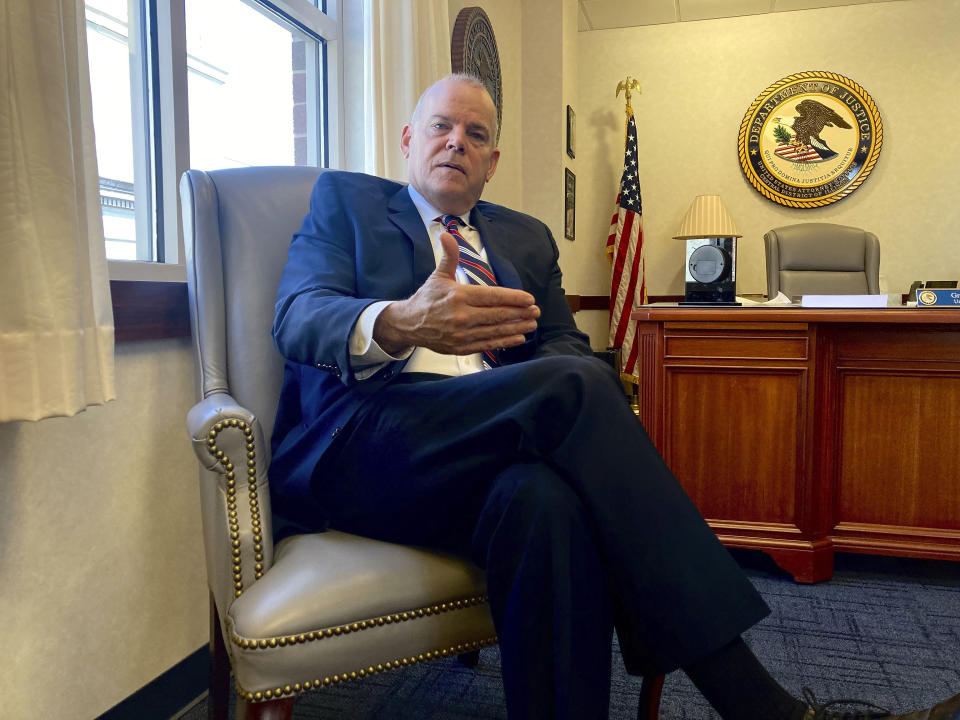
pixel 810 139
pixel 473 50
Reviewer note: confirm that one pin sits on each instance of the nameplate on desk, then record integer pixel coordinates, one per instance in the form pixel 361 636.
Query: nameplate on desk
pixel 844 301
pixel 938 298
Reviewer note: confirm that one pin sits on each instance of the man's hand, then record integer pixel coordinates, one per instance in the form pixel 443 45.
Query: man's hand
pixel 456 319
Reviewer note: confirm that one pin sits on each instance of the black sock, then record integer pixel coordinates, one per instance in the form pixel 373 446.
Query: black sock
pixel 740 688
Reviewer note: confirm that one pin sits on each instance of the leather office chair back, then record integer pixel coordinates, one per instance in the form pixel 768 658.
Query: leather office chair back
pixel 246 235
pixel 822 259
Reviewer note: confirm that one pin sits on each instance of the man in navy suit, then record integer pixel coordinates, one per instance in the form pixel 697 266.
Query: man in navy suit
pixel 421 407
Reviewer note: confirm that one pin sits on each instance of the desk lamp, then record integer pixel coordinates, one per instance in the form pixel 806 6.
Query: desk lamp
pixel 711 267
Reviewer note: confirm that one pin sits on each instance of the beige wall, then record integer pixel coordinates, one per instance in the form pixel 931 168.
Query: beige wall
pixel 538 45
pixel 582 258
pixel 103 583
pixel 506 187
pixel 699 78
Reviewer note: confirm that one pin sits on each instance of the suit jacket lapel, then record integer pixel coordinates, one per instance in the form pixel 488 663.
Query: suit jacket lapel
pixel 404 214
pixel 496 243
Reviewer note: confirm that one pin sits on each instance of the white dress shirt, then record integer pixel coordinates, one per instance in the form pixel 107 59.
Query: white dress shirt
pixel 367 357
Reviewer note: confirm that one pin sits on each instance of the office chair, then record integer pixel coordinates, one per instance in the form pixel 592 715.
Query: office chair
pixel 318 609
pixel 822 259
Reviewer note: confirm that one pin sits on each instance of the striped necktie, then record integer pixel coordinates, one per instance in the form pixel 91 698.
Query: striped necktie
pixel 477 270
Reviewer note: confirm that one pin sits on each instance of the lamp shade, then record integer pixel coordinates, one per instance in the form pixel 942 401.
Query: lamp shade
pixel 707 218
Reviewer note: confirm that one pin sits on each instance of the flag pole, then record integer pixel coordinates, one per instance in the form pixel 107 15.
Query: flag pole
pixel 625 250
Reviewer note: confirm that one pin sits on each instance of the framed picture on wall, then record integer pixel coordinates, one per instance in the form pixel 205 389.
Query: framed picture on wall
pixel 569 204
pixel 571 132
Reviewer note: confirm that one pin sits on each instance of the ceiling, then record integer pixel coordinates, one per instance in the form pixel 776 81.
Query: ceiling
pixel 604 14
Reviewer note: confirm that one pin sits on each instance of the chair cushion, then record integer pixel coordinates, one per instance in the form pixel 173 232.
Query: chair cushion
pixel 315 583
pixel 335 606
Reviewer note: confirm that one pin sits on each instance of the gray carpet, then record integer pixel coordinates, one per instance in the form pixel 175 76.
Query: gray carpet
pixel 884 629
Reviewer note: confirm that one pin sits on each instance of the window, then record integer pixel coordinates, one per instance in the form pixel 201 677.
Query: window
pixel 204 84
pixel 118 84
pixel 260 107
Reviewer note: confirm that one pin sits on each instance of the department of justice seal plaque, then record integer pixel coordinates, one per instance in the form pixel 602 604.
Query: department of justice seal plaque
pixel 473 50
pixel 810 139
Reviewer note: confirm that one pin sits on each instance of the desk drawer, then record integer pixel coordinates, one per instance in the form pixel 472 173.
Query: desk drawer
pixel 920 344
pixel 735 345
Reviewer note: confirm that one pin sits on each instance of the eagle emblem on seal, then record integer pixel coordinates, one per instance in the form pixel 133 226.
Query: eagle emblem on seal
pixel 804 144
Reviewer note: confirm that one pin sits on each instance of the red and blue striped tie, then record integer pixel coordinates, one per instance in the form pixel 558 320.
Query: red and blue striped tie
pixel 477 270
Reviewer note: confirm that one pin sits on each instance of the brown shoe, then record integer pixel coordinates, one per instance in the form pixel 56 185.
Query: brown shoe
pixel 946 710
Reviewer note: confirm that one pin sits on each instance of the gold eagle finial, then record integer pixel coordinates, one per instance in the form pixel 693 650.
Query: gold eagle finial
pixel 628 85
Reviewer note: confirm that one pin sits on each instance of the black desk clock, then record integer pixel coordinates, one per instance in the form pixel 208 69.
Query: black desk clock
pixel 711 260
pixel 711 271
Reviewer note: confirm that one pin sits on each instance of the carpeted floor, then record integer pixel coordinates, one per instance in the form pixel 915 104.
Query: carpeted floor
pixel 884 629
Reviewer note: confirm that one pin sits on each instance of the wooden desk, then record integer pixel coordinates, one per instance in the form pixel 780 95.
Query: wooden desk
pixel 801 431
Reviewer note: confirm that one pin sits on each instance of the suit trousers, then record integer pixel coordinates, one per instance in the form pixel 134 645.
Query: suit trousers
pixel 542 474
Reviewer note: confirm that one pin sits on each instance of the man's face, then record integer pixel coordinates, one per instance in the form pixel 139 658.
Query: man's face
pixel 450 146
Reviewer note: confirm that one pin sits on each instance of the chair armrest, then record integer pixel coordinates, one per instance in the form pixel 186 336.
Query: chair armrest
pixel 202 425
pixel 234 493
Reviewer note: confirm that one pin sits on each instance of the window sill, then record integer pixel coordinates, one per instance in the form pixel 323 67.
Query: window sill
pixel 149 300
pixel 153 310
pixel 149 310
pixel 150 271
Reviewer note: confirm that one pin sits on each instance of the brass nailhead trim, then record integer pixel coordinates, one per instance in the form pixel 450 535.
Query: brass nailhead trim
pixel 262 643
pixel 231 483
pixel 279 692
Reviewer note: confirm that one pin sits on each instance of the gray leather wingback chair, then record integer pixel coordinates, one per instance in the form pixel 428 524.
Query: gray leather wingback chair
pixel 822 259
pixel 317 609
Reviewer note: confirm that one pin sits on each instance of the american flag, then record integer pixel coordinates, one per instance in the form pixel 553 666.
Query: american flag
pixel 625 251
pixel 802 153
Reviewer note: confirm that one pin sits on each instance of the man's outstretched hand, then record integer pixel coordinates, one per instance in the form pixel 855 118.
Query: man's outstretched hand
pixel 456 319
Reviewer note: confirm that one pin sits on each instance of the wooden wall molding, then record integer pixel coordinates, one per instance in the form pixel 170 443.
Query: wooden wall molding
pixel 602 302
pixel 144 310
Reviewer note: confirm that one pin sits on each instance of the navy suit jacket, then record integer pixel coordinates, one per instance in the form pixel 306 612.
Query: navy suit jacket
pixel 364 241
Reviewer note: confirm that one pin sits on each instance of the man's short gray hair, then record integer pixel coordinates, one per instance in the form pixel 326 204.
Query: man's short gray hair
pixel 467 79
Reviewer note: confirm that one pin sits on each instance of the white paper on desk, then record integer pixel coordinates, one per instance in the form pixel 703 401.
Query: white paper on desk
pixel 844 301
pixel 780 299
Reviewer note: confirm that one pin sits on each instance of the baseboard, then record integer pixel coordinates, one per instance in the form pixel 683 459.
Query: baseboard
pixel 166 695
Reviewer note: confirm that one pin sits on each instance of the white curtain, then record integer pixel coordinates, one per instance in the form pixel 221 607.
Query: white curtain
pixel 406 49
pixel 56 324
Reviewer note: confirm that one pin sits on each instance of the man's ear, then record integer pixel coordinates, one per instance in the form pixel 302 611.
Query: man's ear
pixel 494 159
pixel 405 136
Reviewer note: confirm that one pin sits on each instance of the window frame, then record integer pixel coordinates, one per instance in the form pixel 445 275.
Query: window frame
pixel 145 303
